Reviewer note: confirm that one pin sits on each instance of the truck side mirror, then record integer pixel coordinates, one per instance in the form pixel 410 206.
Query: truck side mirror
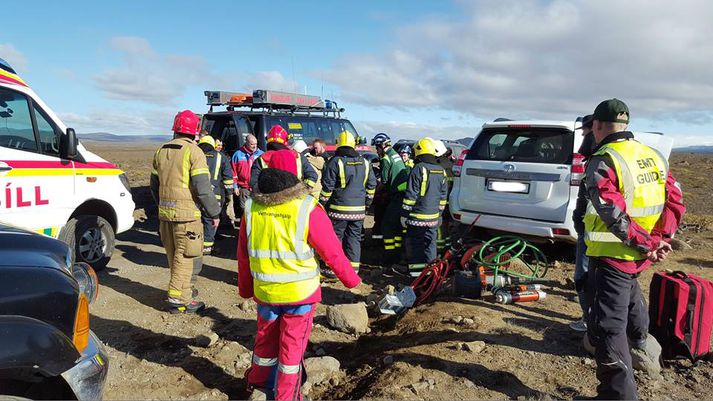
pixel 68 145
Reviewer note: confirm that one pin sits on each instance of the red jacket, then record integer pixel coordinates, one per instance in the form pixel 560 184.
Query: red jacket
pixel 321 237
pixel 603 191
pixel 242 163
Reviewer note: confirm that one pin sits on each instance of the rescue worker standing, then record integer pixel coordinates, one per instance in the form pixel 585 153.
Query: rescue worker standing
pixel 221 180
pixel 393 175
pixel 443 155
pixel 635 208
pixel 405 154
pixel 277 142
pixel 424 201
pixel 242 162
pixel 282 228
pixel 348 185
pixel 180 185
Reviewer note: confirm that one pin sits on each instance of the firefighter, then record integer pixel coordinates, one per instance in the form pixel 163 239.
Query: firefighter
pixel 221 180
pixel 424 201
pixel 393 175
pixel 277 142
pixel 348 185
pixel 635 208
pixel 443 239
pixel 405 154
pixel 180 185
pixel 282 228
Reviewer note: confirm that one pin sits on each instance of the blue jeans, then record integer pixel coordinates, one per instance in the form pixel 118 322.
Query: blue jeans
pixel 580 275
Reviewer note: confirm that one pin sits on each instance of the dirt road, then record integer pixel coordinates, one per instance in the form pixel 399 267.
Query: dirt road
pixel 528 351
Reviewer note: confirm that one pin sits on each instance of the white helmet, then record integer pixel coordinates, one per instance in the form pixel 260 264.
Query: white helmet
pixel 299 145
pixel 440 147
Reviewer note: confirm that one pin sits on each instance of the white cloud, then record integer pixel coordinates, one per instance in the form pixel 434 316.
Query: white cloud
pixel 534 59
pixel 13 56
pixel 153 77
pixel 150 122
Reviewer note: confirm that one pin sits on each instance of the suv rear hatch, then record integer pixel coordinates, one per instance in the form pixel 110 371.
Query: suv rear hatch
pixel 519 171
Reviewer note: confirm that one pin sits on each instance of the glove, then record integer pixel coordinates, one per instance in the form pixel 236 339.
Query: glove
pixel 403 221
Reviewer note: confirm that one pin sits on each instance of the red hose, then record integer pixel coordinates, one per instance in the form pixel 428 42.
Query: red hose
pixel 431 279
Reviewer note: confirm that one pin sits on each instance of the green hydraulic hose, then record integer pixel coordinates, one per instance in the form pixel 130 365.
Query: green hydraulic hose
pixel 515 247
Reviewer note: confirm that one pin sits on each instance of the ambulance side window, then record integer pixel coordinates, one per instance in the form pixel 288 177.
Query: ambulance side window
pixel 16 129
pixel 49 136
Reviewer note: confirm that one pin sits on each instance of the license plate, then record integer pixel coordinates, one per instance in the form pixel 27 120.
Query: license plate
pixel 509 186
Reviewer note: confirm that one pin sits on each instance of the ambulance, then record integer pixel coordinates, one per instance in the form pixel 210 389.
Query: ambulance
pixel 49 183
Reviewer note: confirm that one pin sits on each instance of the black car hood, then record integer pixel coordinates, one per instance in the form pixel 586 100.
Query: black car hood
pixel 19 248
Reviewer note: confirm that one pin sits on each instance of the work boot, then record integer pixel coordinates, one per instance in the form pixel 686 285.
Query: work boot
pixel 579 326
pixel 327 274
pixel 397 269
pixel 191 307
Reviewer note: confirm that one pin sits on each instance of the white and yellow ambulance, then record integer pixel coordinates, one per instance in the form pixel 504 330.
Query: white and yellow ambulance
pixel 50 183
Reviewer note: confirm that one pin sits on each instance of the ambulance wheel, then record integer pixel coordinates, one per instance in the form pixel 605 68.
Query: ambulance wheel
pixel 92 239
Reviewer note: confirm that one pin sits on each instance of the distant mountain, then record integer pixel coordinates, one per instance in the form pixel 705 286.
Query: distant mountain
pixel 695 149
pixel 107 137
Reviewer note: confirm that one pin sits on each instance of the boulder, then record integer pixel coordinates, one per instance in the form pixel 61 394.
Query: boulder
pixel 349 318
pixel 207 340
pixel 679 245
pixel 646 359
pixel 474 346
pixel 321 369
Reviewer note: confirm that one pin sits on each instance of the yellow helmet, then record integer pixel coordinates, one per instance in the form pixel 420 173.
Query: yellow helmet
pixel 346 138
pixel 207 139
pixel 425 146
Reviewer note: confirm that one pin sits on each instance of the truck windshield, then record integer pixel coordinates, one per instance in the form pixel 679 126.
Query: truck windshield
pixel 310 128
pixel 533 145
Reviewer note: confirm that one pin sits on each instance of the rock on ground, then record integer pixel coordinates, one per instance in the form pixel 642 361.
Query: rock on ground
pixel 647 359
pixel 349 318
pixel 207 340
pixel 321 369
pixel 679 245
pixel 474 346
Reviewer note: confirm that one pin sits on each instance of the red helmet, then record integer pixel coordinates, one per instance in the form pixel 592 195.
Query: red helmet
pixel 187 122
pixel 277 134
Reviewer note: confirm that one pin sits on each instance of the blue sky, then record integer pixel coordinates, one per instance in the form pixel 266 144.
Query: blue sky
pixel 409 68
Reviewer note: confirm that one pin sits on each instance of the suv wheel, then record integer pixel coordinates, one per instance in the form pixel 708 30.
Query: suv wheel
pixel 91 238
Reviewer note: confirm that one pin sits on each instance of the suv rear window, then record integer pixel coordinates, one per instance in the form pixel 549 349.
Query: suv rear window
pixel 532 145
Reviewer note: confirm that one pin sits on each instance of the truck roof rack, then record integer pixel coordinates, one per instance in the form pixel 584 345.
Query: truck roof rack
pixel 273 101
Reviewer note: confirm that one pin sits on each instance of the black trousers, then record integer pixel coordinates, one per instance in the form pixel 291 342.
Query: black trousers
pixel 618 314
pixel 420 247
pixel 349 233
pixel 391 230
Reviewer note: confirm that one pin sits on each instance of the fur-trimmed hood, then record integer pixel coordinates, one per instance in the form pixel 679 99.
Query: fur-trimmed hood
pixel 295 192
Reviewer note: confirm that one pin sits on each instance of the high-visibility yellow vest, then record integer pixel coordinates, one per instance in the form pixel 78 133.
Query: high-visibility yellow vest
pixel 282 263
pixel 641 174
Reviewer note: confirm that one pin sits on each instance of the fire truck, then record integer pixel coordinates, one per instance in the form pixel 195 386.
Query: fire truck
pixel 232 116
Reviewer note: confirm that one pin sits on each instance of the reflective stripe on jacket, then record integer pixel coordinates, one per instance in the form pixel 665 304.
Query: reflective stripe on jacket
pixel 641 175
pixel 348 185
pixel 180 182
pixel 282 263
pixel 393 171
pixel 220 173
pixel 425 196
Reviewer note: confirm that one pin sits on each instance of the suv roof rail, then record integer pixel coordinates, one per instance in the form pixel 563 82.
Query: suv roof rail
pixel 270 100
pixel 500 119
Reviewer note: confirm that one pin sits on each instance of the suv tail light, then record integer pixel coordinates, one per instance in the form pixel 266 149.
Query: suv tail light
pixel 81 324
pixel 459 163
pixel 578 167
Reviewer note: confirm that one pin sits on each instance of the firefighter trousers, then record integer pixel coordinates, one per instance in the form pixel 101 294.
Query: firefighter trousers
pixel 420 247
pixel 391 229
pixel 618 315
pixel 183 242
pixel 281 340
pixel 349 234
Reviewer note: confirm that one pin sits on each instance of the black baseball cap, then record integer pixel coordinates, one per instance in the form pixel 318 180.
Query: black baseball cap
pixel 611 110
pixel 587 121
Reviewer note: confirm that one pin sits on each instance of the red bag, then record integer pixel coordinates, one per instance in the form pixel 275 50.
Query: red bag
pixel 681 314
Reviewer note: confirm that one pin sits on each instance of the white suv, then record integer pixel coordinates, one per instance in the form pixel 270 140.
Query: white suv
pixel 523 176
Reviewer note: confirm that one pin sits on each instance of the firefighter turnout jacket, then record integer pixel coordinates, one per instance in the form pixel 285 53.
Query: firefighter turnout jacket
pixel 394 172
pixel 220 170
pixel 641 174
pixel 180 182
pixel 348 185
pixel 426 193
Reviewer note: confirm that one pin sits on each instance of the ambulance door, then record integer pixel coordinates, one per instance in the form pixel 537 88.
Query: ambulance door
pixel 37 186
